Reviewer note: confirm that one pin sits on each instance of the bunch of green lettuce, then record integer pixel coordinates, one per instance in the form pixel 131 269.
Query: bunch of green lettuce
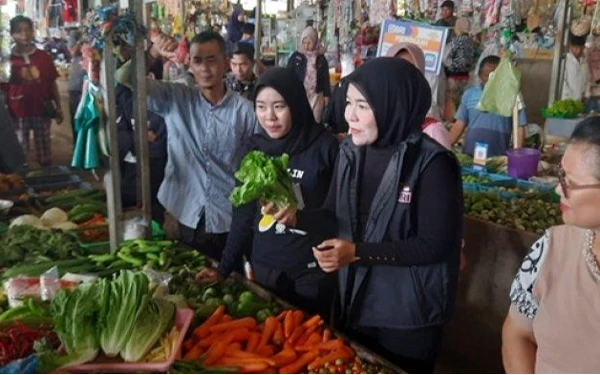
pixel 566 108
pixel 118 316
pixel 266 178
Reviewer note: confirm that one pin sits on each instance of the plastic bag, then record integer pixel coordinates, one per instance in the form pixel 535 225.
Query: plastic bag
pixel 500 92
pixel 87 119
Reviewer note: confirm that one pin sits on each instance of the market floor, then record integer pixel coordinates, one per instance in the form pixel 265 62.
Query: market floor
pixel 62 147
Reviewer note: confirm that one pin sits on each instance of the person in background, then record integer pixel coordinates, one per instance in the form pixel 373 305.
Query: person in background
pixel 414 55
pixel 56 47
pixel 396 204
pixel 235 24
pixel 157 148
pixel 489 128
pixel 12 157
pixel 312 68
pixel 552 324
pixel 248 33
pixel 207 127
pixel 576 84
pixel 76 75
pixel 448 19
pixel 242 78
pixel 458 63
pixel 33 98
pixel 282 257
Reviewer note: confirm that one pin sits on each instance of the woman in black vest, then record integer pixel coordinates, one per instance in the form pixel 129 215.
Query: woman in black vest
pixel 282 257
pixel 397 203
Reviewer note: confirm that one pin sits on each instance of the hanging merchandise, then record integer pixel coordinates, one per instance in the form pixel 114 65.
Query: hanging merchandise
pixel 69 11
pixel 86 154
pixel 501 91
pixel 381 10
pixel 581 26
pixel 492 12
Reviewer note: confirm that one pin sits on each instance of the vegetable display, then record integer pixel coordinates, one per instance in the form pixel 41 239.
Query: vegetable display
pixel 566 108
pixel 266 178
pixel 17 340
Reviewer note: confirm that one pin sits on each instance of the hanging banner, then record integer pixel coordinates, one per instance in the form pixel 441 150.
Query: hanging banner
pixel 431 39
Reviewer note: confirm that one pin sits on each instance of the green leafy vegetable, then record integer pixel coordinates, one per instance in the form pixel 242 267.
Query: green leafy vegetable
pixel 75 314
pixel 264 177
pixel 567 108
pixel 154 320
pixel 128 296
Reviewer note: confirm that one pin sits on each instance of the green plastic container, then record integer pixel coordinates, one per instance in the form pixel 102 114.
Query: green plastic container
pixel 103 246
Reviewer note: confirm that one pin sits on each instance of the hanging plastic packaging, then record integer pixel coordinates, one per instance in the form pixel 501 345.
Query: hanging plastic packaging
pixel 501 91
pixel 87 120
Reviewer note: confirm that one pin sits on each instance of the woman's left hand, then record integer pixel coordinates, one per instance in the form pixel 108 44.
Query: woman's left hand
pixel 334 254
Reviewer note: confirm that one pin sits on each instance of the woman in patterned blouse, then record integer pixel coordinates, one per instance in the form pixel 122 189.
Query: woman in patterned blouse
pixel 553 323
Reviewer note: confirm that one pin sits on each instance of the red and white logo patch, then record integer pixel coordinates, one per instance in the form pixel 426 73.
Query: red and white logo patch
pixel 405 195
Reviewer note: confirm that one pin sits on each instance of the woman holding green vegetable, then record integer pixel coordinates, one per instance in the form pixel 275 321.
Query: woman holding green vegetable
pixel 396 200
pixel 282 258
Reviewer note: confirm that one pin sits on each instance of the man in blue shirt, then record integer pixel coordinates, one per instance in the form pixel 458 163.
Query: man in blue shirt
pixel 207 126
pixel 484 127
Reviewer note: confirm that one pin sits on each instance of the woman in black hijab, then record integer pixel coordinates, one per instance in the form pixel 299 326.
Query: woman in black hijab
pixel 282 257
pixel 396 200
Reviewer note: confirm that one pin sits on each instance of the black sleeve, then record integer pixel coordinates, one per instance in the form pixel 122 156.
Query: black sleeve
pixel 321 222
pixel 291 61
pixel 323 77
pixel 240 235
pixel 439 222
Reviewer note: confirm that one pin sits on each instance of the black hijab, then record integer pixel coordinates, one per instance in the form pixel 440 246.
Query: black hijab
pixel 305 129
pixel 399 95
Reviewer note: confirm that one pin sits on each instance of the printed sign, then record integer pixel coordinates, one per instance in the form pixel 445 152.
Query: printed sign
pixel 480 156
pixel 431 39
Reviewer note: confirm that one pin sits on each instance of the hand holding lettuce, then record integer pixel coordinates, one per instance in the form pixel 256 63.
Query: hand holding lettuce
pixel 265 178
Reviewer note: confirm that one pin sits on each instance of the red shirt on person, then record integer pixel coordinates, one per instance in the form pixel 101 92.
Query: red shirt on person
pixel 31 83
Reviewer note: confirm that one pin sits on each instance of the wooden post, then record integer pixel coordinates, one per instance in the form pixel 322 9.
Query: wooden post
pixel 258 30
pixel 515 121
pixel 112 178
pixel 140 111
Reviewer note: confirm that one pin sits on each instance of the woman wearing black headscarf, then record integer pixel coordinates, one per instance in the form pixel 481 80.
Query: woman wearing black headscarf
pixel 282 258
pixel 396 200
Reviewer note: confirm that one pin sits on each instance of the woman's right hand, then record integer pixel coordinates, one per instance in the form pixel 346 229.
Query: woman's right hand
pixel 208 276
pixel 286 216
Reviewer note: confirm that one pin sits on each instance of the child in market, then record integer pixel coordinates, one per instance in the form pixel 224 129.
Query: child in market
pixel 576 84
pixel 32 94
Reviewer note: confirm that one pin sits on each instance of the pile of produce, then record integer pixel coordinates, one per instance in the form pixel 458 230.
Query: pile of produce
pixel 94 230
pixel 567 108
pixel 86 211
pixel 17 340
pixel 264 177
pixel 31 310
pixel 288 344
pixel 495 164
pixel 10 182
pixel 68 199
pixel 524 213
pixel 117 318
pixel 475 179
pixel 54 218
pixel 165 256
pixel 205 299
pixel 27 245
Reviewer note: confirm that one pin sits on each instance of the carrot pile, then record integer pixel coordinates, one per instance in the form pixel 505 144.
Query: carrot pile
pixel 287 344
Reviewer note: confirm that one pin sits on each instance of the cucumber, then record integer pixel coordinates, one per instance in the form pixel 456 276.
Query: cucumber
pixel 67 196
pixel 82 218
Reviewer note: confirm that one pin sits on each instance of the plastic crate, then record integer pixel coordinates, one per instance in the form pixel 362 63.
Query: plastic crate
pixel 157 234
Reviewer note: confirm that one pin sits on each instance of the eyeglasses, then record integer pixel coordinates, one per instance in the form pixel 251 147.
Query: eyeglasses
pixel 566 187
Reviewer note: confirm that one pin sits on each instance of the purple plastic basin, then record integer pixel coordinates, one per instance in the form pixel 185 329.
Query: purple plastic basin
pixel 523 162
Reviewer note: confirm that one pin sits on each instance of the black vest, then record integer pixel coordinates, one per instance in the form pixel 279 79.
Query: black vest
pixel 392 296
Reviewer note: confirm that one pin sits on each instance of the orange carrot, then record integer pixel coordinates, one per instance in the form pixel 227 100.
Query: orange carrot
pixel 249 323
pixel 309 331
pixel 298 317
pixel 217 350
pixel 314 321
pixel 269 330
pixel 189 343
pixel 282 315
pixel 226 319
pixel 300 364
pixel 270 370
pixel 258 367
pixel 326 335
pixel 253 342
pixel 287 345
pixel 329 358
pixel 288 325
pixel 235 346
pixel 204 329
pixel 284 358
pixel 238 361
pixel 266 351
pixel 278 335
pixel 332 344
pixel 296 335
pixel 194 353
pixel 312 343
